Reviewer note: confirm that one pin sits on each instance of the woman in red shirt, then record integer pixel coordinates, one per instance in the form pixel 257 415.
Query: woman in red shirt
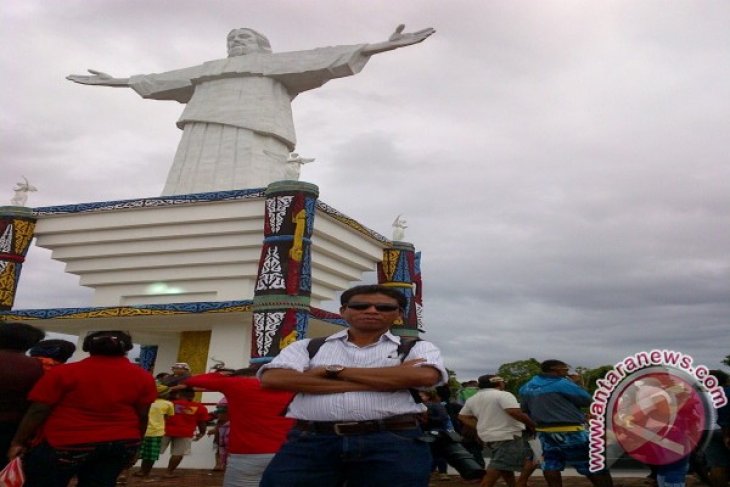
pixel 91 415
pixel 257 425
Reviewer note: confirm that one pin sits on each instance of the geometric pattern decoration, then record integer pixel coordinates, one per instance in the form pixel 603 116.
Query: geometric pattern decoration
pixel 214 307
pixel 276 209
pixel 177 200
pixel 6 240
pixel 284 281
pixel 265 326
pixel 148 357
pixel 270 275
pixel 131 311
pixel 400 269
pixel 16 233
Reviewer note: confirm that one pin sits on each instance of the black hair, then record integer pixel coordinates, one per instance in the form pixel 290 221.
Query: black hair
pixel 108 342
pixel 188 393
pixel 444 392
pixel 60 350
pixel 19 336
pixel 485 381
pixel 374 289
pixel 549 365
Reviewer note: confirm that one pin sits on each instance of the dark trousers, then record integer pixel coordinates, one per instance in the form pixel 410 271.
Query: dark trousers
pixel 386 458
pixel 95 464
pixel 7 431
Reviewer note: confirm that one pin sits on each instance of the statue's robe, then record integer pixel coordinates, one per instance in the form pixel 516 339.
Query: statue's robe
pixel 237 125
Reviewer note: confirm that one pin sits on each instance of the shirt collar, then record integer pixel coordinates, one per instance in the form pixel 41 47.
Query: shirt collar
pixel 342 335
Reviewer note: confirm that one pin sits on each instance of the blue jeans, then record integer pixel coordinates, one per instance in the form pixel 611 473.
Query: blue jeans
pixel 94 464
pixel 673 474
pixel 309 459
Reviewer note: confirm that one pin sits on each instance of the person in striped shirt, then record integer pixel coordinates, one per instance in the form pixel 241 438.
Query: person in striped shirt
pixel 356 420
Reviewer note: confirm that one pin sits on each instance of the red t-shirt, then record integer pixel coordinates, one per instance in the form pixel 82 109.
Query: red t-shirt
pixel 95 400
pixel 188 414
pixel 256 415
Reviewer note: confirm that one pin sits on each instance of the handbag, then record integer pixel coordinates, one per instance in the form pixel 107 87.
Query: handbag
pixel 12 475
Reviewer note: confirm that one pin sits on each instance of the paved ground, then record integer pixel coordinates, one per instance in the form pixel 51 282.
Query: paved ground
pixel 206 478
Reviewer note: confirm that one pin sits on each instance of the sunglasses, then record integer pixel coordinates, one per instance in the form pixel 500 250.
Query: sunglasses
pixel 378 307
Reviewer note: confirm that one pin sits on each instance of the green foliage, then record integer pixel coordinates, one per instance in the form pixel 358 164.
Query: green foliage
pixel 590 376
pixel 517 373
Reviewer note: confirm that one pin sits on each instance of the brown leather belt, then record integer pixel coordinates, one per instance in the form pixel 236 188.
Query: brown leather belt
pixel 349 428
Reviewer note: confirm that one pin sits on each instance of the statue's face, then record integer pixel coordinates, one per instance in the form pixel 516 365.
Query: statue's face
pixel 241 41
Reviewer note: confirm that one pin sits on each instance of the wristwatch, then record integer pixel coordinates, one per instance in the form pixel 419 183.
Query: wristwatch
pixel 332 371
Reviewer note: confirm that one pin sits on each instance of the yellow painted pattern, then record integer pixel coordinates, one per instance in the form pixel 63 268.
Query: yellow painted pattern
pixel 23 235
pixel 7 285
pixel 127 312
pixel 300 221
pixel 194 350
pixel 390 263
pixel 288 340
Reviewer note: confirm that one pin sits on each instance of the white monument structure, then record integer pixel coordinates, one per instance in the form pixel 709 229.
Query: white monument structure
pixel 21 192
pixel 180 271
pixel 238 109
pixel 399 228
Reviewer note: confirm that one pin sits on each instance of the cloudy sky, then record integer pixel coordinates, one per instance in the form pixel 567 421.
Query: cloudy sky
pixel 563 165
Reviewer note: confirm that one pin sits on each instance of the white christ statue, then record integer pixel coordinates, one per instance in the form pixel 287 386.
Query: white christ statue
pixel 238 109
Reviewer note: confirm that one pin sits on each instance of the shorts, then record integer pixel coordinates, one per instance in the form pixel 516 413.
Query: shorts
pixel 150 449
pixel 508 454
pixel 179 446
pixel 716 453
pixel 568 448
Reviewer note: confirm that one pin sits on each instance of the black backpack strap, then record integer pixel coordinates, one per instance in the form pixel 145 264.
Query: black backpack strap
pixel 405 347
pixel 314 345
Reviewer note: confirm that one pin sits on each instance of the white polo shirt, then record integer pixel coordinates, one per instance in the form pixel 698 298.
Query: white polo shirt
pixel 493 423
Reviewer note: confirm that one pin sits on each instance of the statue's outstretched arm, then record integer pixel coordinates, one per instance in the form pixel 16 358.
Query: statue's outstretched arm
pixel 398 39
pixel 99 79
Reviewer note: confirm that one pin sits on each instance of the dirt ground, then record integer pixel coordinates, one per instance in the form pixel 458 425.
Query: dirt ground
pixel 206 478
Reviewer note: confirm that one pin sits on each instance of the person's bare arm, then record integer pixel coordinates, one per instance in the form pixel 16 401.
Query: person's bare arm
pixel 517 414
pixel 308 382
pixel 31 423
pixel 398 39
pixel 468 421
pixel 143 412
pixel 98 78
pixel 402 376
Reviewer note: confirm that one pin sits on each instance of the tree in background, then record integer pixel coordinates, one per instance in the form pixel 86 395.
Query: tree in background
pixel 517 373
pixel 726 360
pixel 590 376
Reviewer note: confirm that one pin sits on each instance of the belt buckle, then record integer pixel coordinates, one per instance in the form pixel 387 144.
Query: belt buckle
pixel 336 427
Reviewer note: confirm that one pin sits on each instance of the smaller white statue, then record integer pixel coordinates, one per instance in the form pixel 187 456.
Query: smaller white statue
pixel 21 192
pixel 399 228
pixel 294 165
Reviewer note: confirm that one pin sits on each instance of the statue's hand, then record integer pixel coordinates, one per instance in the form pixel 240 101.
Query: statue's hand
pixel 406 39
pixel 98 78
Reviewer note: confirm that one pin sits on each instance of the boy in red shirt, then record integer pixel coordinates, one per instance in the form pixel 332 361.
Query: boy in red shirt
pixel 180 428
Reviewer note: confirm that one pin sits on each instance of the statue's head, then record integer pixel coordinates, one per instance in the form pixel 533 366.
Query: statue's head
pixel 245 41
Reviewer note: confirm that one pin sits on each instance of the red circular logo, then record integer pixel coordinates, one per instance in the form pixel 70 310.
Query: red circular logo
pixel 658 418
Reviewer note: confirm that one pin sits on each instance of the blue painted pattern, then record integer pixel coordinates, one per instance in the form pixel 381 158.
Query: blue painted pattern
pixel 159 201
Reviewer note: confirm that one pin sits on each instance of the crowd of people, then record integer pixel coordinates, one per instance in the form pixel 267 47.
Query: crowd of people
pixel 362 407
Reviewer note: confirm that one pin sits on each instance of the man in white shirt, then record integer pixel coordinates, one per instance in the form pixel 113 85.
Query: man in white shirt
pixel 356 419
pixel 499 422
